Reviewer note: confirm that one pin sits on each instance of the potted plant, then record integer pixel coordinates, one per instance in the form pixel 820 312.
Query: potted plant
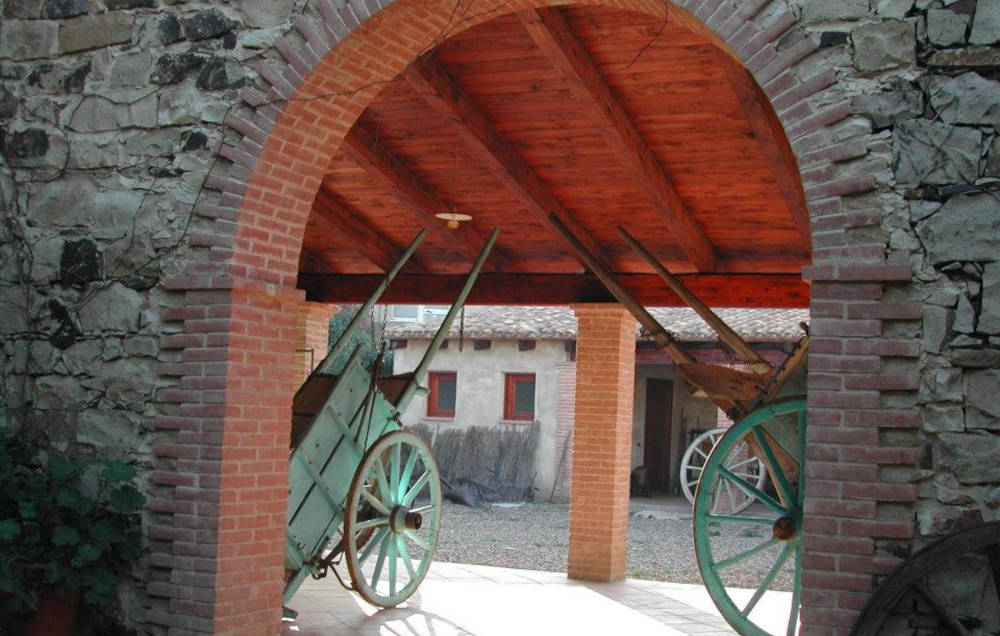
pixel 68 528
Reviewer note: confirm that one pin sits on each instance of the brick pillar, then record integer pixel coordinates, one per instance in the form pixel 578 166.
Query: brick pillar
pixel 602 441
pixel 312 333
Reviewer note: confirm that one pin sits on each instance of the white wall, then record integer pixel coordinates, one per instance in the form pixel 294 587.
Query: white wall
pixel 479 399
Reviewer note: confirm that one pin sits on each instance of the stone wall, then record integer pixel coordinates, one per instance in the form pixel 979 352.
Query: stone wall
pixel 112 117
pixel 120 117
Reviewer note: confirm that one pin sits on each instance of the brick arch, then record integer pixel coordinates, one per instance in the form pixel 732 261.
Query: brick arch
pixel 225 425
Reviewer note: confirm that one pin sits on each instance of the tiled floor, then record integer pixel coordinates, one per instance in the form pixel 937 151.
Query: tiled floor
pixel 488 601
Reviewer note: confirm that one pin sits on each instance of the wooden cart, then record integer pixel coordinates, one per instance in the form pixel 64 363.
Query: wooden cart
pixel 770 430
pixel 361 488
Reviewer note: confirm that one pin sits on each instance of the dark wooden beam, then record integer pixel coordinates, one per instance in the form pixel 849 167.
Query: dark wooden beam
pixel 445 96
pixel 335 216
pixel 717 290
pixel 362 148
pixel 554 36
pixel 772 141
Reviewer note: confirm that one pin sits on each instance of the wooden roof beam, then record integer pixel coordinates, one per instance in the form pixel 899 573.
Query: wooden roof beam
pixel 717 290
pixel 444 95
pixel 363 149
pixel 772 141
pixel 554 36
pixel 335 216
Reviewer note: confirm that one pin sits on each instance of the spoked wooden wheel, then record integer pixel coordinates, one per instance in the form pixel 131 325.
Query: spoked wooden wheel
pixel 392 518
pixel 742 557
pixel 742 463
pixel 951 586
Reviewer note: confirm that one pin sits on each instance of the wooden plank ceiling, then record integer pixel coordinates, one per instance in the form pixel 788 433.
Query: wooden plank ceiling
pixel 595 116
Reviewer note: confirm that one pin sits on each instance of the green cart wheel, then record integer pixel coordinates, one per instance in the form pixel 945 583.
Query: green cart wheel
pixel 743 556
pixel 392 518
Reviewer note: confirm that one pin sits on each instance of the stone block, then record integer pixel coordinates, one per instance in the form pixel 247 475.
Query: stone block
pixel 989 314
pixel 972 457
pixel 25 148
pixel 992 168
pixel 969 57
pixel 945 27
pixel 265 15
pixel 947 490
pixel 68 202
pixel 60 9
pixel 969 98
pixel 965 316
pixel 131 69
pixel 833 10
pixel 880 46
pixel 217 74
pixel 22 9
pixel 926 152
pixel 129 4
pixel 893 8
pixel 986 23
pixel 976 419
pixel 936 325
pixel 28 39
pixel 981 391
pixel 81 262
pixel 963 229
pixel 98 114
pixel 942 419
pixel 210 23
pixel 55 392
pixel 172 68
pixel 80 357
pixel 886 109
pixel 112 308
pixel 189 105
pixel 94 32
pixel 975 358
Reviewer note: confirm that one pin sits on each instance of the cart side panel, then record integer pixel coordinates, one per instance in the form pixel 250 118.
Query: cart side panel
pixel 324 461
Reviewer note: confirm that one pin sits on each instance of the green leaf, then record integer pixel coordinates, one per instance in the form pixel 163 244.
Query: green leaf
pixel 64 535
pixel 87 553
pixel 62 468
pixel 116 472
pixel 28 509
pixel 9 529
pixel 127 499
pixel 106 531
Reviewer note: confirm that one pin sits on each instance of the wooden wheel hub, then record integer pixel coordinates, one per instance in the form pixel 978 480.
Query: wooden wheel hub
pixel 783 529
pixel 403 519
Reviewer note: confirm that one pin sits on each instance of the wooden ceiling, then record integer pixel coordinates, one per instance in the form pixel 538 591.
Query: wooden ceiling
pixel 594 116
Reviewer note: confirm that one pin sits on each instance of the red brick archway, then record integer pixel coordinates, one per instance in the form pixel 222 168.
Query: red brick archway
pixel 221 549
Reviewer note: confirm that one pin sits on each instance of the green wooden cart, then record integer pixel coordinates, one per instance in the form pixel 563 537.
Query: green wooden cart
pixel 362 489
pixel 737 519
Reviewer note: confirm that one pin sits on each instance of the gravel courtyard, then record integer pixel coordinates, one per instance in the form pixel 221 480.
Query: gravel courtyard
pixel 536 537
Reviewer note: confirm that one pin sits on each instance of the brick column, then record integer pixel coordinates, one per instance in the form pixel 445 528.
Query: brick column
pixel 312 335
pixel 602 440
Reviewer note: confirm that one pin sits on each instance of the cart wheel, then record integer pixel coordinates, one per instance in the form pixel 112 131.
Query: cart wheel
pixel 392 518
pixel 693 463
pixel 951 586
pixel 769 541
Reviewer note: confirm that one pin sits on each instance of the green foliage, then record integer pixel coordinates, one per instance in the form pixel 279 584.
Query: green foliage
pixel 63 522
pixel 366 336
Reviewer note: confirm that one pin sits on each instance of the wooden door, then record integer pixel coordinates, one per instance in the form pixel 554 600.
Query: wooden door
pixel 659 403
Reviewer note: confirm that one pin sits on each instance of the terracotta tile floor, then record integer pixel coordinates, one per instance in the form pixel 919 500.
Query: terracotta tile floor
pixel 488 601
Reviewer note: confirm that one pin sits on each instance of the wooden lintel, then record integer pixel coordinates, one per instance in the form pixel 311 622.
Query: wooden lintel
pixel 336 216
pixel 717 290
pixel 386 169
pixel 554 36
pixel 440 91
pixel 772 142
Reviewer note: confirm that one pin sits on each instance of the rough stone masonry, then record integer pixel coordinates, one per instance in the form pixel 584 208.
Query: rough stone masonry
pixel 112 115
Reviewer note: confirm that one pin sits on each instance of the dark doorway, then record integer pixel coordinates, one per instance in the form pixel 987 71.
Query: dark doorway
pixel 659 403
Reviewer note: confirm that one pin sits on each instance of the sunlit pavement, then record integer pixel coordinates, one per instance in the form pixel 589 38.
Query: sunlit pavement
pixel 487 601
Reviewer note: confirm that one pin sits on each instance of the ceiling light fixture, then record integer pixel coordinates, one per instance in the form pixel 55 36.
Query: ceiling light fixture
pixel 453 218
